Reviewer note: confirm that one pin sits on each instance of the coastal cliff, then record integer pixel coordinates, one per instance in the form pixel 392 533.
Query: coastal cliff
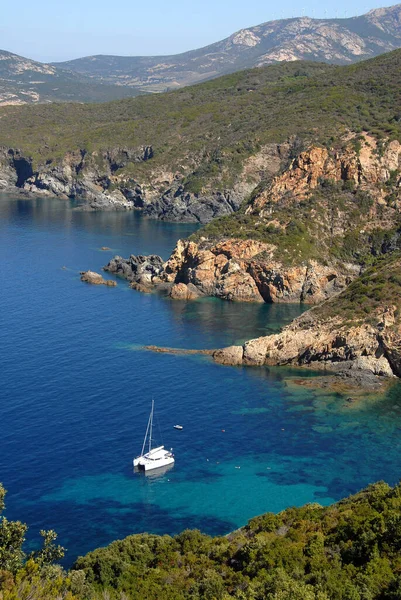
pixel 233 270
pixel 359 330
pixel 98 182
pixel 355 335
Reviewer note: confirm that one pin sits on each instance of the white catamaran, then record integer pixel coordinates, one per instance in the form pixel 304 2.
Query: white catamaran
pixel 154 457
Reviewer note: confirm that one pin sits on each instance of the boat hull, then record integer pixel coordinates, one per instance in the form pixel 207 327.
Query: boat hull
pixel 145 464
pixel 154 459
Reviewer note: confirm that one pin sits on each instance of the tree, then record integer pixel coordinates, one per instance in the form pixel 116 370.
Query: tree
pixel 12 537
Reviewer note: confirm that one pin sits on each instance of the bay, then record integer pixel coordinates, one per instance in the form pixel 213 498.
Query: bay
pixel 76 388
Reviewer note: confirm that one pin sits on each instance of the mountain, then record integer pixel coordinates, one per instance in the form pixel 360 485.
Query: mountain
pixel 338 41
pixel 24 81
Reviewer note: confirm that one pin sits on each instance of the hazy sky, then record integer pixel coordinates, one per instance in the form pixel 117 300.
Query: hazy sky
pixel 57 30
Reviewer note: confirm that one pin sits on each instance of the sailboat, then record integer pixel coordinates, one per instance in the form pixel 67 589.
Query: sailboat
pixel 154 457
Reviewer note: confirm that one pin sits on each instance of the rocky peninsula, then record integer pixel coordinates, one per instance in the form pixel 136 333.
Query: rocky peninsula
pixel 356 335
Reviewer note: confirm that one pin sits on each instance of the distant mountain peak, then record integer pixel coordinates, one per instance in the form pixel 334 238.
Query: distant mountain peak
pixel 338 41
pixel 245 37
pixel 25 81
pixel 105 77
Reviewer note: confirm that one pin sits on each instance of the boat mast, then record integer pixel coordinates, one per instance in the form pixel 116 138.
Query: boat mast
pixel 146 434
pixel 151 426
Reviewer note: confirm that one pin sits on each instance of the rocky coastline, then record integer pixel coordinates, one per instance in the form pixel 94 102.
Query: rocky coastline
pixel 355 334
pixel 364 356
pixel 234 270
pixel 103 180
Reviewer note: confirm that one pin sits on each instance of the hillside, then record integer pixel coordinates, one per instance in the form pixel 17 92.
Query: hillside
pixel 180 155
pixel 338 41
pixel 347 551
pixel 24 81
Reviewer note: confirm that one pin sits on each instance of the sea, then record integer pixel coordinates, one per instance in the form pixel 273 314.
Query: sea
pixel 76 387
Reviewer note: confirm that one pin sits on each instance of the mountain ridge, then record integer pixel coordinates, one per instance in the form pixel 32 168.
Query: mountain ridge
pixel 25 81
pixel 338 41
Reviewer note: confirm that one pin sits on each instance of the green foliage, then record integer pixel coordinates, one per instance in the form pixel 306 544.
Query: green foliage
pixel 49 553
pixel 35 578
pixel 348 551
pixel 190 127
pixel 12 537
pixel 378 286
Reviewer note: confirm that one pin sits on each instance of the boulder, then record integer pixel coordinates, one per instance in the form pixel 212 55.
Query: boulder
pixel 96 279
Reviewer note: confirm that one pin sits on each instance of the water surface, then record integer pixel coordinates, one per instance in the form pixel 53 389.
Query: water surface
pixel 76 390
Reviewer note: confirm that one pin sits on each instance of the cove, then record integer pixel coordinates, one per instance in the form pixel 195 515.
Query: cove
pixel 76 389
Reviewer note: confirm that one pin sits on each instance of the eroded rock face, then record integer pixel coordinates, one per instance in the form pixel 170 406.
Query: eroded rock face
pixel 360 162
pixel 97 180
pixel 142 270
pixel 84 177
pixel 10 162
pixel 235 270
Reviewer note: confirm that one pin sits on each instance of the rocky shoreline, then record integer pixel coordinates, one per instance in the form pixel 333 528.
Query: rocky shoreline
pixel 352 359
pixel 234 270
pixel 356 344
pixel 347 377
pixel 102 180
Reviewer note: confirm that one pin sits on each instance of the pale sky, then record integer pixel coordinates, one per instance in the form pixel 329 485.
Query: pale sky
pixel 57 30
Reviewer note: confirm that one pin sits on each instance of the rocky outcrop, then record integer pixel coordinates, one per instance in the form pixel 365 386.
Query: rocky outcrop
pixel 236 270
pixel 246 271
pixel 361 163
pixel 332 345
pixel 141 271
pixel 96 279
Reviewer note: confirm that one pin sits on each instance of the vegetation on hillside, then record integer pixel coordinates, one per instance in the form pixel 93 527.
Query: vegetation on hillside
pixel 332 223
pixel 348 551
pixel 207 130
pixel 378 287
pixel 33 576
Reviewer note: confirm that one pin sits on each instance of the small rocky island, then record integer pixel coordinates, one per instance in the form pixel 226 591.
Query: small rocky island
pixel 96 279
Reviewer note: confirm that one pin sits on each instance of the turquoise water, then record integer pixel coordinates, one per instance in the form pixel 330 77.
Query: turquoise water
pixel 76 389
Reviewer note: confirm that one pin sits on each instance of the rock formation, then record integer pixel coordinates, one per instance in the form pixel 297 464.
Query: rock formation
pixel 361 162
pixel 236 270
pixel 358 330
pixel 96 279
pixel 140 271
pixel 95 180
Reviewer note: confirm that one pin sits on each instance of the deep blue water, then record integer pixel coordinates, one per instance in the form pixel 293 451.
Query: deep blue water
pixel 76 390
